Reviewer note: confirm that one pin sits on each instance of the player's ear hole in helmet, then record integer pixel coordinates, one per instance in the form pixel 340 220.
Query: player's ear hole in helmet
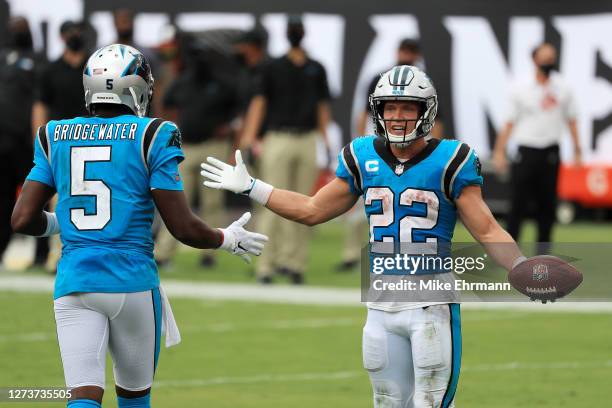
pixel 404 83
pixel 118 74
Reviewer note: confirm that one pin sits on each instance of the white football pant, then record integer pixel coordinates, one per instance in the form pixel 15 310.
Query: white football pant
pixel 413 356
pixel 128 324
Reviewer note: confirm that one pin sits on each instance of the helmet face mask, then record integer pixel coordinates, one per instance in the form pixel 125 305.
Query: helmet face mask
pixel 402 84
pixel 118 74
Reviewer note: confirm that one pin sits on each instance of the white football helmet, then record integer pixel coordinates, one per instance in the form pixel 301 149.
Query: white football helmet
pixel 118 74
pixel 404 83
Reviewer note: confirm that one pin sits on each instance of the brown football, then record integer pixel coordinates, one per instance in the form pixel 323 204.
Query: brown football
pixel 545 278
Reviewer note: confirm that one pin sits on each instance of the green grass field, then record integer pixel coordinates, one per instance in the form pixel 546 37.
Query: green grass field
pixel 255 355
pixel 237 354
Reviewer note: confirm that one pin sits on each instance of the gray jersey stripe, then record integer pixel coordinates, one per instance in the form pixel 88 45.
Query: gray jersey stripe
pixel 155 137
pixel 445 170
pixel 349 169
pixel 358 168
pixel 458 170
pixel 142 144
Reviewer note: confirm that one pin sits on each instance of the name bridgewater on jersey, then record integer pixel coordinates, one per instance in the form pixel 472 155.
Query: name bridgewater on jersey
pixel 95 131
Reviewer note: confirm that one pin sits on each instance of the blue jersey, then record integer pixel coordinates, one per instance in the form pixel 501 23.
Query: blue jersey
pixel 412 201
pixel 103 170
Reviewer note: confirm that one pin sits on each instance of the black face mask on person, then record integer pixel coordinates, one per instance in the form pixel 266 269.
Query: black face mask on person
pixel 126 35
pixel 240 59
pixel 406 62
pixel 21 40
pixel 75 42
pixel 295 35
pixel 546 69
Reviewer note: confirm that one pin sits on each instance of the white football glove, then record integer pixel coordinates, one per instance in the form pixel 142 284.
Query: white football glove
pixel 221 175
pixel 241 242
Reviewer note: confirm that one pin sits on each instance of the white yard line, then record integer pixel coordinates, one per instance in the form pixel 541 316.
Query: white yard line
pixel 260 378
pixel 343 375
pixel 305 295
pixel 294 324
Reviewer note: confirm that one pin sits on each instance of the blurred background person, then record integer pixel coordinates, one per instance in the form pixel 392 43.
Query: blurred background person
pixel 539 112
pixel 123 18
pixel 60 96
pixel 293 96
pixel 203 106
pixel 20 67
pixel 408 53
pixel 169 64
pixel 250 53
pixel 60 89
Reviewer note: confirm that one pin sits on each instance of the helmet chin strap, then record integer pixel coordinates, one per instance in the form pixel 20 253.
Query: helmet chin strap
pixel 139 110
pixel 412 134
pixel 87 92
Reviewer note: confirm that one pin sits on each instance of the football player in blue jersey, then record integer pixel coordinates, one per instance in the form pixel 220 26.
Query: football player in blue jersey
pixel 413 188
pixel 110 170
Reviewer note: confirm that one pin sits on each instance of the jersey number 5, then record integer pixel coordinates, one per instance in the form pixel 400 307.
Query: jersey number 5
pixel 79 186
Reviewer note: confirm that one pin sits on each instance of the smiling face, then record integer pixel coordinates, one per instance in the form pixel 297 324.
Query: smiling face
pixel 400 116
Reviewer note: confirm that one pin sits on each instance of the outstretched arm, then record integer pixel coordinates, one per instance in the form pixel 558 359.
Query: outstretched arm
pixel 478 219
pixel 185 226
pixel 333 199
pixel 329 202
pixel 182 223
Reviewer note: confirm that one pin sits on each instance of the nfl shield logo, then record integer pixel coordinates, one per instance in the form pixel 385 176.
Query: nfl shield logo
pixel 399 169
pixel 540 272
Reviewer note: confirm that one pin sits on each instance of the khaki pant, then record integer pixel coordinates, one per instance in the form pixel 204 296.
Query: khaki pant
pixel 289 161
pixel 211 200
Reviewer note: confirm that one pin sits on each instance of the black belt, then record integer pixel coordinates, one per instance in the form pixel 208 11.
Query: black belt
pixel 552 148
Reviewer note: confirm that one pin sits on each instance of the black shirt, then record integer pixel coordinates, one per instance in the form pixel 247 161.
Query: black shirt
pixel 19 73
pixel 203 105
pixel 61 89
pixel 250 87
pixel 293 93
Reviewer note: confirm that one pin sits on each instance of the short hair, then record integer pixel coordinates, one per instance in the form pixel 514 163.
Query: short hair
pixel 127 11
pixel 540 46
pixel 256 37
pixel 410 44
pixel 70 25
pixel 295 20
